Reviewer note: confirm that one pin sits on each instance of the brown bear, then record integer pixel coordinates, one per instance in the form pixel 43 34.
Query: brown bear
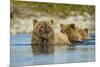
pixel 84 33
pixel 45 34
pixel 72 32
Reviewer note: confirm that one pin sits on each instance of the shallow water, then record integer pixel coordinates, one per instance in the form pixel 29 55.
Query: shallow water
pixel 23 54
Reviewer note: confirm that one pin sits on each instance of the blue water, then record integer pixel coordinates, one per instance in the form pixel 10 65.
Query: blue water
pixel 23 54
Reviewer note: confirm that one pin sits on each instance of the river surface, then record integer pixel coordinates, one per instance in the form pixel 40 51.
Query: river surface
pixel 22 54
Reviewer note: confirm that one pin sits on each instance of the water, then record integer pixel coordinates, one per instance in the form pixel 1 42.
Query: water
pixel 23 54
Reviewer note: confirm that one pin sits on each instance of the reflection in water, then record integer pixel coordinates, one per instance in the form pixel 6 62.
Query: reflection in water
pixel 50 54
pixel 43 54
pixel 42 49
pixel 49 49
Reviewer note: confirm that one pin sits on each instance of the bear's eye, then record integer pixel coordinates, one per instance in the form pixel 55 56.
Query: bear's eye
pixel 41 26
pixel 62 31
pixel 67 32
pixel 48 27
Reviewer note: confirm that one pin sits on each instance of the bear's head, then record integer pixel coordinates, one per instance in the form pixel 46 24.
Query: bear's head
pixel 84 33
pixel 43 28
pixel 71 31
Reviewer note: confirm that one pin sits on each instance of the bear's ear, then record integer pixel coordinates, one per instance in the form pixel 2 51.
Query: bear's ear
pixel 86 29
pixel 52 21
pixel 61 25
pixel 35 21
pixel 72 26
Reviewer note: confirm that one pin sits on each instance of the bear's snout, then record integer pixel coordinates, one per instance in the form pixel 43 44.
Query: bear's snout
pixel 45 31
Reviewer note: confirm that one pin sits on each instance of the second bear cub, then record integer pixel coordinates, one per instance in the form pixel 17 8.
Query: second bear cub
pixel 72 32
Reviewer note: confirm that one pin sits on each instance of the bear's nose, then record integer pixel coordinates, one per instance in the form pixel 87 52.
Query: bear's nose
pixel 79 39
pixel 45 30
